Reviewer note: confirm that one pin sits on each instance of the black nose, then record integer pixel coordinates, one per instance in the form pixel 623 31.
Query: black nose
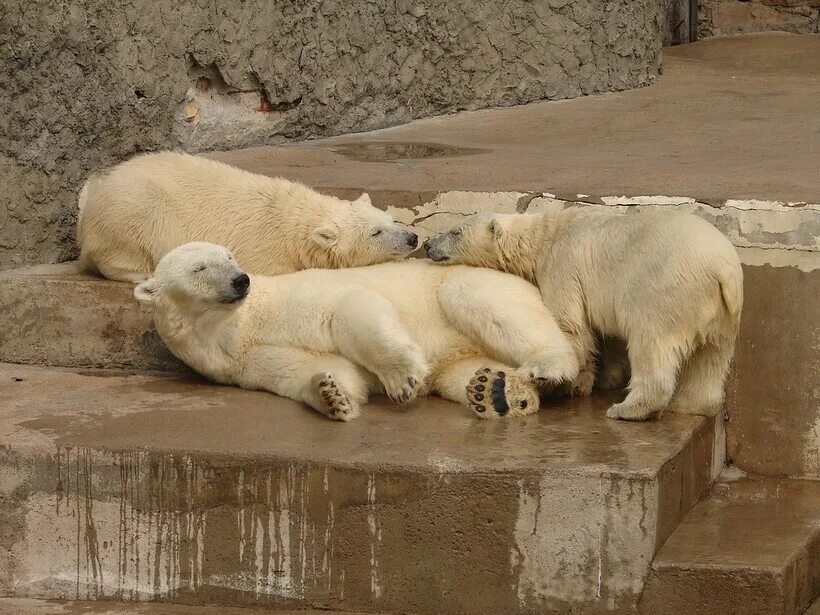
pixel 413 240
pixel 241 282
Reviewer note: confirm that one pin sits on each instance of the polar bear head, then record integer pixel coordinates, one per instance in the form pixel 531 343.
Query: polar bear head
pixel 196 275
pixel 356 234
pixel 495 241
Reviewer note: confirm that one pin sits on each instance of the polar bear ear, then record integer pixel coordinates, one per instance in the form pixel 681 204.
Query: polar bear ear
pixel 365 198
pixel 325 236
pixel 145 292
pixel 497 228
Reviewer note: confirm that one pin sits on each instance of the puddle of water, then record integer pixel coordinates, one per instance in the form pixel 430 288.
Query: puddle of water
pixel 384 151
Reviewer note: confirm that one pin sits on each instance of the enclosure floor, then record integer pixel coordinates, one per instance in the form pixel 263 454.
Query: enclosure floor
pixel 731 117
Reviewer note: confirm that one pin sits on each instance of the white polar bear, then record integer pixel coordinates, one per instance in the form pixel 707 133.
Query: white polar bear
pixel 669 284
pixel 133 214
pixel 328 338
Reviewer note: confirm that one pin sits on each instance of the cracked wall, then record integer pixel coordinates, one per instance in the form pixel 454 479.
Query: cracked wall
pixel 86 85
pixel 727 17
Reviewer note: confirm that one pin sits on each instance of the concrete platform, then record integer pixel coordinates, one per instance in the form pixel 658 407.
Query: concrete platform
pixel 730 118
pixel 28 606
pixel 751 546
pixel 134 486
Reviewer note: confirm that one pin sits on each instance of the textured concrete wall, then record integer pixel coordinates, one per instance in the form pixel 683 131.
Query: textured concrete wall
pixel 725 17
pixel 86 85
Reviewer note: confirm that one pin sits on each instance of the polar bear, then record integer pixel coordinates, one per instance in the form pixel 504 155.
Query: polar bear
pixel 669 284
pixel 328 338
pixel 133 214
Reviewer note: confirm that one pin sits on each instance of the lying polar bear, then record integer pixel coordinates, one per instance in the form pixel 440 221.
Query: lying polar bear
pixel 669 284
pixel 328 338
pixel 133 214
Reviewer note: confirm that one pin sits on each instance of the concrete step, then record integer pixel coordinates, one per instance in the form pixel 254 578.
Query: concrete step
pixel 30 606
pixel 751 546
pixel 134 486
pixel 59 315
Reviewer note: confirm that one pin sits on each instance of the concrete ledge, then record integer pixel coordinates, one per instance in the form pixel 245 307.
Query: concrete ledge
pixel 138 486
pixel 752 546
pixel 58 315
pixel 29 606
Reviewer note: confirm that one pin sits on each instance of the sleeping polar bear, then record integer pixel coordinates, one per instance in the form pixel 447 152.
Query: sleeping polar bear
pixel 328 338
pixel 669 284
pixel 133 214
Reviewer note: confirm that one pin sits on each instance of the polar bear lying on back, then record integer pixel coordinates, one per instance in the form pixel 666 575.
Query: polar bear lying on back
pixel 133 214
pixel 669 284
pixel 328 338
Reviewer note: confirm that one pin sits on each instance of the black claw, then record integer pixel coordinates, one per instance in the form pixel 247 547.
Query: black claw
pixel 479 396
pixel 482 378
pixel 523 404
pixel 487 370
pixel 479 387
pixel 479 408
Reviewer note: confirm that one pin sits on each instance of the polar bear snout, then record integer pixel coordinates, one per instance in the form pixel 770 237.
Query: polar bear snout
pixel 436 248
pixel 241 283
pixel 412 240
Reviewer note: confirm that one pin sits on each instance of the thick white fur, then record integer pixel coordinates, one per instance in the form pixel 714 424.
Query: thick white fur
pixel 669 284
pixel 328 338
pixel 133 214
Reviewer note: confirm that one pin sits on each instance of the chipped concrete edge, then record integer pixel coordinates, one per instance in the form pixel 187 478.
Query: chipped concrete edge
pixel 765 232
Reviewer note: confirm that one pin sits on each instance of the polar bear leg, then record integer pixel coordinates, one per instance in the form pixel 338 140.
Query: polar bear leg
pixel 701 381
pixel 492 389
pixel 655 367
pixel 112 271
pixel 330 384
pixel 507 316
pixel 366 328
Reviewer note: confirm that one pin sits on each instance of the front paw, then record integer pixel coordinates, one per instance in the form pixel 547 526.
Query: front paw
pixel 337 405
pixel 583 384
pixel 495 394
pixel 405 393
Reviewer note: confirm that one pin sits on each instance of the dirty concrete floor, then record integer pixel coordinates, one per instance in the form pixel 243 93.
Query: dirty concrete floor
pixel 46 407
pixel 730 118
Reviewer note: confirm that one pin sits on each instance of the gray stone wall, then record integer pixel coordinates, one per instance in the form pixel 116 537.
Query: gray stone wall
pixel 726 17
pixel 88 83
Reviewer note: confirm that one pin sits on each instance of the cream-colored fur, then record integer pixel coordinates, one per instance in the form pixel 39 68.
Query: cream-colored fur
pixel 329 338
pixel 133 214
pixel 669 284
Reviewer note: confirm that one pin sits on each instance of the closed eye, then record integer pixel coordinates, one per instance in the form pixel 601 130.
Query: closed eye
pixel 198 269
pixel 457 232
pixel 377 233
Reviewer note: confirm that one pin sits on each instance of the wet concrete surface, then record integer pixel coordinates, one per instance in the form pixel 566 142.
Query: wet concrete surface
pixel 729 118
pixel 145 487
pixel 25 606
pixel 751 546
pixel 121 411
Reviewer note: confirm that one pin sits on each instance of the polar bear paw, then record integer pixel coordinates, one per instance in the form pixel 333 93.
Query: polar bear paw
pixel 495 394
pixel 407 393
pixel 582 385
pixel 337 405
pixel 632 412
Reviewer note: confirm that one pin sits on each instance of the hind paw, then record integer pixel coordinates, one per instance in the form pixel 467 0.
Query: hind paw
pixel 494 394
pixel 337 404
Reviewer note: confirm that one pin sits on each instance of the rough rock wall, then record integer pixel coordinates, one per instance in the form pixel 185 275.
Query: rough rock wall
pixel 726 17
pixel 87 83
